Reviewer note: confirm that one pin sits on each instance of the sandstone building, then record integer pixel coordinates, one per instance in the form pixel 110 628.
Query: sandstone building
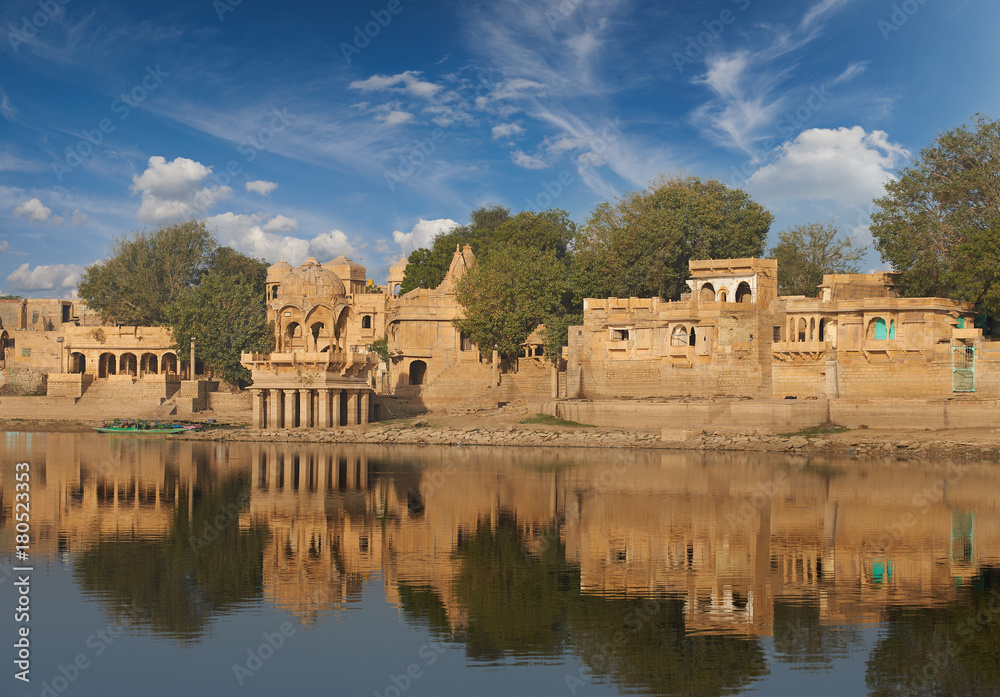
pixel 732 335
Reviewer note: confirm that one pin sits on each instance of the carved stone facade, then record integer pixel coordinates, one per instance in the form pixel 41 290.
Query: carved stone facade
pixel 733 336
pixel 320 373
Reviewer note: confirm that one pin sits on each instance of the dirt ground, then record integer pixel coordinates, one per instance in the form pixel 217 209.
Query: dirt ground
pixel 511 417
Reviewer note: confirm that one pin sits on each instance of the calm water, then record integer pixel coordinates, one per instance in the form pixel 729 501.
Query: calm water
pixel 179 568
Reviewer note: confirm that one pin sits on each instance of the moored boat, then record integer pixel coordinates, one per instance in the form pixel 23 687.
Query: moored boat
pixel 143 426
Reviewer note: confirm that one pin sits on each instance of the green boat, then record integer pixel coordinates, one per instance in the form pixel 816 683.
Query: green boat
pixel 139 426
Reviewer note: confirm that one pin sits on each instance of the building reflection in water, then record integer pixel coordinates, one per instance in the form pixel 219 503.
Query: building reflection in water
pixel 517 551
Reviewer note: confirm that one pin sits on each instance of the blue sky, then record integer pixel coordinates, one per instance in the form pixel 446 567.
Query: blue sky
pixel 367 127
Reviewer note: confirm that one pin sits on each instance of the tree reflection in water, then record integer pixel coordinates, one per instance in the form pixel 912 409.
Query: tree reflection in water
pixel 951 650
pixel 174 584
pixel 526 605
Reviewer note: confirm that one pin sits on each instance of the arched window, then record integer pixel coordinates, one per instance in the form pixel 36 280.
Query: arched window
pixel 743 293
pixel 822 330
pixel 722 295
pixel 147 364
pixel 892 329
pixel 168 363
pixel 107 365
pixel 877 329
pixel 802 329
pixel 679 336
pixel 707 293
pixel 77 362
pixel 418 372
pixel 128 364
pixel 366 322
pixel 691 338
pixel 812 329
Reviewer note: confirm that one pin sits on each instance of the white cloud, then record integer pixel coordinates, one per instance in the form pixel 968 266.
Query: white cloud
pixel 821 8
pixel 422 234
pixel 851 71
pixel 80 218
pixel 259 186
pixel 45 277
pixel 396 117
pixel 331 244
pixel 9 162
pixel 281 223
pixel 506 130
pixel 382 247
pixel 6 108
pixel 58 220
pixel 34 210
pixel 173 190
pixel 846 165
pixel 408 82
pixel 523 159
pixel 5 246
pixel 247 234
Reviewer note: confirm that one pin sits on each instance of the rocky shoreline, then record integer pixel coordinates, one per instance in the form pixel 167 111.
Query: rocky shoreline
pixel 849 443
pixel 476 430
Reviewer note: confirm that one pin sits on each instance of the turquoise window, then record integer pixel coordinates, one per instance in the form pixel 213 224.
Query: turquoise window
pixel 892 329
pixel 879 329
pixel 961 322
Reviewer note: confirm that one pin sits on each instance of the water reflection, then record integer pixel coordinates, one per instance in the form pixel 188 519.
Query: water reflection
pixel 663 572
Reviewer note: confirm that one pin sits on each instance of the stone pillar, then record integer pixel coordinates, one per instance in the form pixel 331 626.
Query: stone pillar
pixel 496 367
pixel 290 400
pixel 305 408
pixel 193 373
pixel 258 408
pixel 323 408
pixel 555 381
pixel 352 407
pixel 272 467
pixel 365 406
pixel 337 395
pixel 274 409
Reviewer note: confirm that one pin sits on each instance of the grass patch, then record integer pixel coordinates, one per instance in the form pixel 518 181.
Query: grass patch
pixel 815 431
pixel 547 420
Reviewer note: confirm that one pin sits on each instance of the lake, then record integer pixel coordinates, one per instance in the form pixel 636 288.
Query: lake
pixel 165 567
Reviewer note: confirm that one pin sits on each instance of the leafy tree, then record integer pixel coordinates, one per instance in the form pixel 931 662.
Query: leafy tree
pixel 489 227
pixel 939 222
pixel 426 268
pixel 381 347
pixel 511 291
pixel 806 252
pixel 547 231
pixel 146 271
pixel 640 244
pixel 557 332
pixel 227 315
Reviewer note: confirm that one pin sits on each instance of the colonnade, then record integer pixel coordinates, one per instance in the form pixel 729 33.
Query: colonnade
pixel 310 407
pixel 294 469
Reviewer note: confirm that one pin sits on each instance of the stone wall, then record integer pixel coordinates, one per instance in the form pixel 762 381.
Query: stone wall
pixel 783 415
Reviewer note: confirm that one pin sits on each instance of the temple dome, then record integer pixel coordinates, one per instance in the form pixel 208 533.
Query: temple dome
pixel 310 280
pixel 277 272
pixel 397 270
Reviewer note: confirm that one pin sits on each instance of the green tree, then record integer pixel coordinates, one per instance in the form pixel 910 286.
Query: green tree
pixel 806 252
pixel 146 271
pixel 226 313
pixel 640 244
pixel 511 291
pixel 489 227
pixel 939 222
pixel 426 268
